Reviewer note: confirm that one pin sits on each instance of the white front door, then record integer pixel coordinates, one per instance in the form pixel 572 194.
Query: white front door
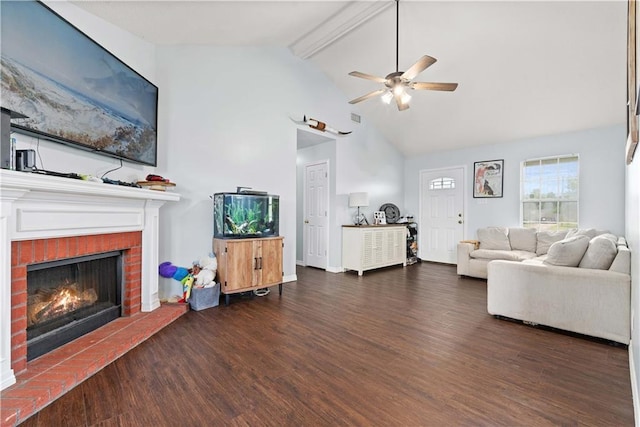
pixel 316 199
pixel 441 224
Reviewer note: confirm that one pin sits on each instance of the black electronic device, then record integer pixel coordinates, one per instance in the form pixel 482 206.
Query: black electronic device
pixel 25 160
pixel 7 151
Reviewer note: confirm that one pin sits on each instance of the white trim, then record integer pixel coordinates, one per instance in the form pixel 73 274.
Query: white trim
pixel 289 278
pixel 300 263
pixel 634 385
pixel 346 20
pixel 335 269
pixel 36 206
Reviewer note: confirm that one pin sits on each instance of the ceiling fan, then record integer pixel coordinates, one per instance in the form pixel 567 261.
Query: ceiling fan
pixel 399 82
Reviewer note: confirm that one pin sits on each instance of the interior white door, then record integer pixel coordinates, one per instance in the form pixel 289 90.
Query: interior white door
pixel 441 214
pixel 316 227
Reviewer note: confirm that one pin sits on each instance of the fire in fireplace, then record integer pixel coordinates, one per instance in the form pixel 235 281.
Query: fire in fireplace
pixel 69 298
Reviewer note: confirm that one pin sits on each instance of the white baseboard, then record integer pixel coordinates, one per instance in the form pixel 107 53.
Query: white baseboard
pixel 335 269
pixel 289 278
pixel 634 385
pixel 300 263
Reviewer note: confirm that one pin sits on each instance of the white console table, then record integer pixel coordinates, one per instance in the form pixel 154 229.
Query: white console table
pixel 365 247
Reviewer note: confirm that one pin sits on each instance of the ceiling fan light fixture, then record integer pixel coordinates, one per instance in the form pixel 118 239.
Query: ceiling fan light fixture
pixel 397 83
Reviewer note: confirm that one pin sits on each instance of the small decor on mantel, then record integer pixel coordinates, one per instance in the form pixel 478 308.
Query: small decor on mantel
pixel 156 182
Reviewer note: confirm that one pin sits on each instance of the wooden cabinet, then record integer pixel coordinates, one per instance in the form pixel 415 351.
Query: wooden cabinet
pixel 248 264
pixel 368 247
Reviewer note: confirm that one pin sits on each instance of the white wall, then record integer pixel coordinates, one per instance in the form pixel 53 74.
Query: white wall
pixel 632 221
pixel 364 161
pixel 602 177
pixel 133 51
pixel 225 122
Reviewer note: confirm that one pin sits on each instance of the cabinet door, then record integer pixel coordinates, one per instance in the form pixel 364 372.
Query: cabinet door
pixel 241 263
pixel 395 241
pixel 372 248
pixel 271 262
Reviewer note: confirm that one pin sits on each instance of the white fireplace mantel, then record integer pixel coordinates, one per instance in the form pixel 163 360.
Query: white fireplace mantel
pixel 35 206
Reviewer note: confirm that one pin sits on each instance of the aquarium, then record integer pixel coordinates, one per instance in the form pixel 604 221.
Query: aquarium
pixel 244 214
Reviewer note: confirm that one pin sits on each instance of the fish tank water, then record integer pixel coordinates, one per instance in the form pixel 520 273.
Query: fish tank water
pixel 245 214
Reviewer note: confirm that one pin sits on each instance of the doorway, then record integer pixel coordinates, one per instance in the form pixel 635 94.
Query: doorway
pixel 316 214
pixel 441 213
pixel 315 200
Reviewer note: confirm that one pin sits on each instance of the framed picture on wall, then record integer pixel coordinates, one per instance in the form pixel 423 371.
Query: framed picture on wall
pixel 488 179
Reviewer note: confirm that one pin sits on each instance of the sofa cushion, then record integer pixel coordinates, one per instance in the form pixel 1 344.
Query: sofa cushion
pixel 535 261
pixel 589 232
pixel 622 261
pixel 568 252
pixel 492 254
pixel 547 238
pixel 494 238
pixel 523 239
pixel 600 252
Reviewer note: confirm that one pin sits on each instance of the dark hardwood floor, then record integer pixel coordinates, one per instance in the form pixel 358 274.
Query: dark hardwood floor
pixel 396 347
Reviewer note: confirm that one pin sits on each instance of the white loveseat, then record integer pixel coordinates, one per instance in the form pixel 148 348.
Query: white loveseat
pixel 581 284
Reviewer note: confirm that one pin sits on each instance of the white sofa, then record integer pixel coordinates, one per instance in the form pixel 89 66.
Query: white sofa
pixel 501 243
pixel 582 284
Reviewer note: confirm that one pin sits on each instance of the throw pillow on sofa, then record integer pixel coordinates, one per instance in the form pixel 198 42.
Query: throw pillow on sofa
pixel 548 238
pixel 494 238
pixel 589 232
pixel 523 239
pixel 568 252
pixel 601 252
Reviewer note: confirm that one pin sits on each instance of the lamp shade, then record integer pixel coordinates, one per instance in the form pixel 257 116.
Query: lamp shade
pixel 358 199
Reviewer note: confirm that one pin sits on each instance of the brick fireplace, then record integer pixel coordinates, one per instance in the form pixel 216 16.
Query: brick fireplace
pixel 28 252
pixel 44 218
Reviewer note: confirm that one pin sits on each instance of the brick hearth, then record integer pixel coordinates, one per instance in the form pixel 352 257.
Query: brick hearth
pixel 46 378
pixel 50 376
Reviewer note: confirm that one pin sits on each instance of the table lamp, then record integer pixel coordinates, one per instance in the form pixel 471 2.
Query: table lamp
pixel 356 200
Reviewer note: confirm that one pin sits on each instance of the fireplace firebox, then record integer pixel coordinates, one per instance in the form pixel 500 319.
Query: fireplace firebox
pixel 69 298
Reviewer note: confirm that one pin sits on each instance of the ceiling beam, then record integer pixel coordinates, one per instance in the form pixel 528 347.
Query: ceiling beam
pixel 354 14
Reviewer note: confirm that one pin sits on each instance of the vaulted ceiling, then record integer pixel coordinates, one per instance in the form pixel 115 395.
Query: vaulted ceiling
pixel 524 69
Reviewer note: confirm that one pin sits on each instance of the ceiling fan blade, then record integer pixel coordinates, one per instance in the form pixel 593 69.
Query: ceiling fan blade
pixel 367 76
pixel 434 86
pixel 420 65
pixel 401 105
pixel 367 96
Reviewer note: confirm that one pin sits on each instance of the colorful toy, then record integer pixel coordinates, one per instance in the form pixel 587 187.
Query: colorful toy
pixel 166 269
pixel 187 284
pixel 181 274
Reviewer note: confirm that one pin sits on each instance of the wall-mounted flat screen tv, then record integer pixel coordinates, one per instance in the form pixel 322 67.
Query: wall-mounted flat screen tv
pixel 72 89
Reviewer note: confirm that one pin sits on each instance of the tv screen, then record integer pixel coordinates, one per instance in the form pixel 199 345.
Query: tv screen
pixel 72 89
